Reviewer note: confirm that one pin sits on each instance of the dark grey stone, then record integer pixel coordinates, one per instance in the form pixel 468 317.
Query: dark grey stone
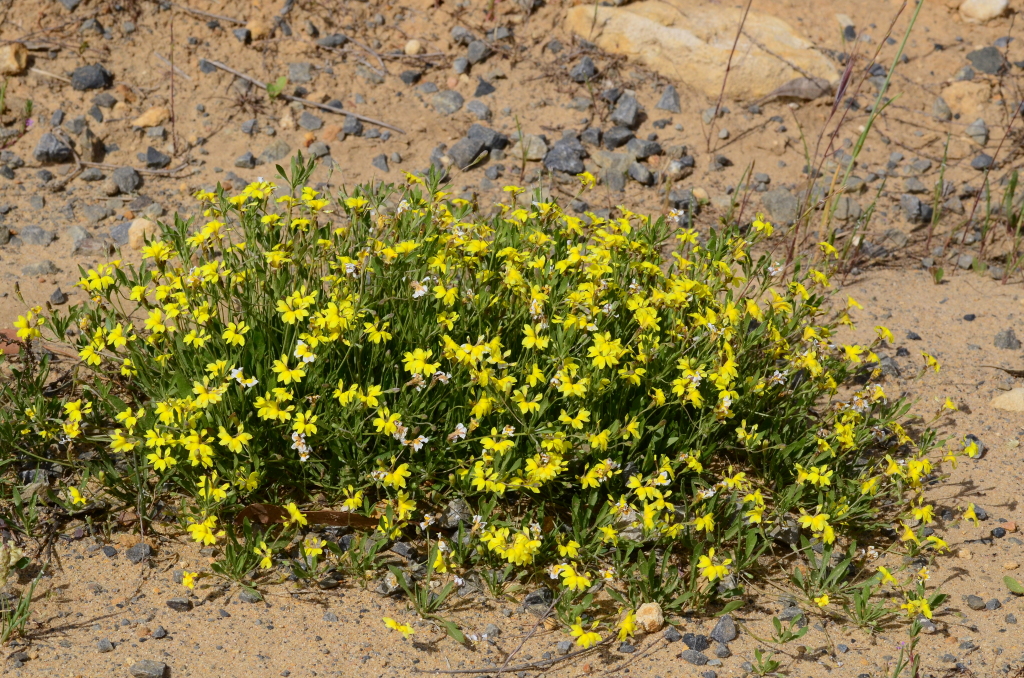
pixel 627 112
pixel 583 71
pixel 148 668
pixel 982 161
pixel 565 157
pixel 478 52
pixel 483 88
pixel 464 151
pixel 77 125
pixel 722 651
pixel 41 268
pixel 591 136
pixel 640 174
pixel 50 149
pixel 103 100
pixel 563 648
pixel 725 630
pixel 333 40
pixel 243 35
pixel 104 645
pixel 672 635
pixel 975 602
pixel 380 162
pixel 155 159
pixel 479 109
pixel 427 88
pixel 491 139
pixel 447 102
pixel 319 149
pixel 460 65
pixel 988 60
pixel 119 233
pixel 617 136
pixel 782 206
pixel 70 5
pixel 249 126
pixel 462 35
pixel 410 77
pixel 1007 339
pixel 694 657
pixel 916 211
pixel 136 554
pixel 11 159
pixel 642 148
pixel 6 172
pixel 127 179
pixel 58 298
pixel 696 642
pixel 93 76
pixel 541 596
pixel 352 126
pixel 790 613
pixel 669 100
pixel 626 648
pixel 914 185
pixel 180 604
pixel 246 161
pixel 309 121
pixel 993 604
pixel 96 113
pixel 1010 619
pixel 330 617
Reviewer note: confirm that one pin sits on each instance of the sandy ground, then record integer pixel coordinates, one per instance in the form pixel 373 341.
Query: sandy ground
pixel 93 597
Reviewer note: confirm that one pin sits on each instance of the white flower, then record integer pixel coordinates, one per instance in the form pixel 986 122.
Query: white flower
pixel 508 431
pixel 418 289
pixel 775 269
pixel 417 443
pixel 458 434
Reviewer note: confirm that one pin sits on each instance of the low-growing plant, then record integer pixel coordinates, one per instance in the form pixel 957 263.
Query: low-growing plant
pixel 596 391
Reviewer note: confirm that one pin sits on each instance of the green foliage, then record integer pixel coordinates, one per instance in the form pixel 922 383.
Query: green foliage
pixel 275 88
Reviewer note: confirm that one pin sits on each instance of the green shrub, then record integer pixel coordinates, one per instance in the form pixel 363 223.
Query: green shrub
pixel 618 400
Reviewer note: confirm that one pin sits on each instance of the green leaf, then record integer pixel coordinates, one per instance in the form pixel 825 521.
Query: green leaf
pixel 730 606
pixel 1014 585
pixel 275 88
pixel 454 632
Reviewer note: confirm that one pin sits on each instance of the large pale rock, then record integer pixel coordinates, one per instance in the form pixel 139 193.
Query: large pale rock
pixel 968 98
pixel 650 618
pixel 13 58
pixel 980 11
pixel 1011 401
pixel 139 231
pixel 687 42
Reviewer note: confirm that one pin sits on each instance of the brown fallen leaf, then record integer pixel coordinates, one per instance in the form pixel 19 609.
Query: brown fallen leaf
pixel 805 89
pixel 268 513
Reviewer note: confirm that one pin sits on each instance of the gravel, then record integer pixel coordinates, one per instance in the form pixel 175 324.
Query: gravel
pixel 982 161
pixel 696 642
pixel 583 71
pixel 464 151
pixel 148 668
pixel 672 635
pixel 51 150
pixel 975 602
pixel 310 122
pixel 694 657
pixel 725 630
pixel 627 112
pixel 617 136
pixel 478 52
pixel 669 100
pixel 154 159
pixel 104 645
pixel 447 102
pixel 136 554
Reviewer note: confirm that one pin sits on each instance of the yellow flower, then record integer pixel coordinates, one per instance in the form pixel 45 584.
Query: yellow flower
pixel 705 522
pixel 285 375
pixel 709 570
pixel 587 180
pixel 627 627
pixel 294 515
pixel 76 496
pixel 396 478
pixel 161 459
pixel 236 442
pixel 822 600
pixel 533 338
pixel 263 550
pixel 313 546
pixel 582 417
pixel 931 362
pixel 570 550
pixel 234 334
pixel 970 515
pixel 188 579
pixel 404 629
pixel 585 637
pixel 203 532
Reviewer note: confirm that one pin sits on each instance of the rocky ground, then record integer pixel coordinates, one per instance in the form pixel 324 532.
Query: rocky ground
pixel 116 112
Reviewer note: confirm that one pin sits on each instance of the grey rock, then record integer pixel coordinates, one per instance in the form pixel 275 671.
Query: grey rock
pixel 427 88
pixel 591 136
pixel 50 150
pixel 77 125
pixel 93 76
pixel 243 35
pixel 790 613
pixel 988 60
pixel 460 65
pixel 725 630
pixel 580 104
pixel 330 617
pixel 309 121
pixel 6 172
pixel 627 112
pixel 479 109
pixel 380 162
pixel 352 126
pixel 92 174
pixel 334 40
pixel 58 298
pixel 119 233
pixel 965 260
pixel 642 148
pixel 696 642
pixel 157 132
pixel 148 668
pixel 847 209
pixel 458 512
pixel 672 635
pixel 278 150
pixel 483 88
pixel 782 206
pixel 1007 339
pixel 694 657
pixel 410 77
pixel 640 174
pixel 104 645
pixel 387 585
pixel 583 71
pixel 447 102
pixel 982 162
pixel 246 161
pixel 478 52
pixel 1010 619
pixel 669 100
pixel 11 159
pixel 626 648
pixel 563 648
pixel 319 149
pixel 70 5
pixel 941 110
pixel 975 602
pixel 180 604
pixel 136 554
pixel 722 651
pixel 541 596
pixel 914 185
pixel 565 157
pixel 159 632
pixel 978 132
pixel 916 211
pixel 155 159
pixel 462 35
pixel 895 239
pixel 617 136
pixel 491 139
pixel 464 151
pixel 34 235
pixel 127 179
pixel 492 631
pixel 94 214
pixel 300 72
pixel 96 113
